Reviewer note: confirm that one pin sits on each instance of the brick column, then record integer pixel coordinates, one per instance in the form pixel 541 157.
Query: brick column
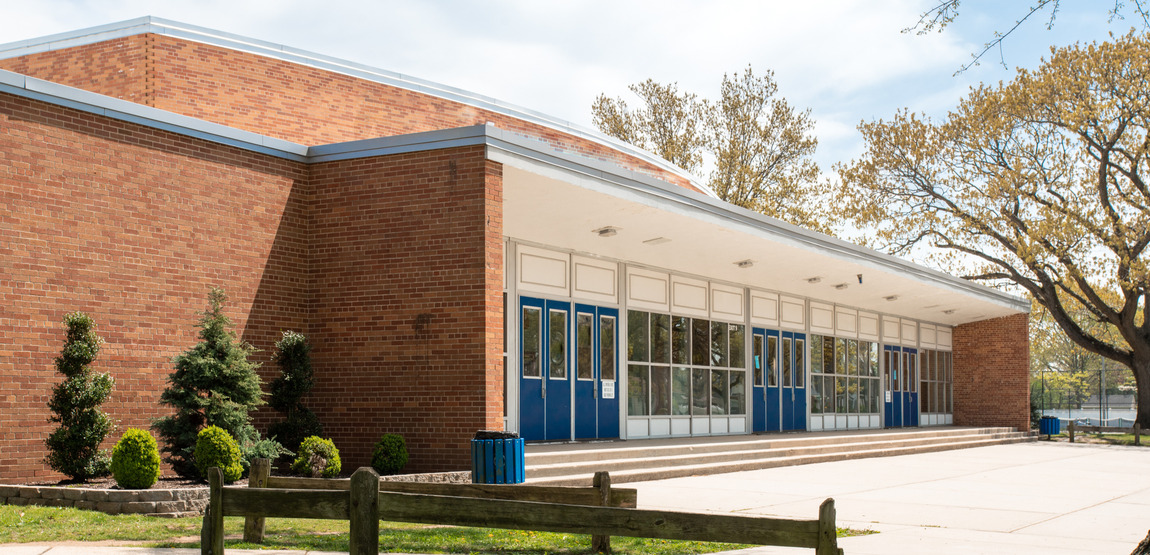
pixel 992 373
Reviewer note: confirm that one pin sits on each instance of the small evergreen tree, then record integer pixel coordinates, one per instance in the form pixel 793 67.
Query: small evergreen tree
pixel 74 447
pixel 293 354
pixel 214 385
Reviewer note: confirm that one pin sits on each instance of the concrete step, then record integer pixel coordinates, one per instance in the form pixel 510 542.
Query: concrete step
pixel 626 467
pixel 567 453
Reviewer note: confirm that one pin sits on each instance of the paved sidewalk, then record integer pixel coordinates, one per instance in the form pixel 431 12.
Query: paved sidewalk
pixel 1029 498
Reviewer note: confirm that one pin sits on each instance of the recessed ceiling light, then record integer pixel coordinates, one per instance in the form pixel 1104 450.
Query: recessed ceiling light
pixel 948 311
pixel 745 263
pixel 607 231
pixel 891 297
pixel 815 279
pixel 841 286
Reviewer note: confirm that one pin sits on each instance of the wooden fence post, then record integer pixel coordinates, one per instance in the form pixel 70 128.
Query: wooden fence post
pixel 364 533
pixel 602 480
pixel 212 535
pixel 1137 434
pixel 828 533
pixel 1070 430
pixel 257 478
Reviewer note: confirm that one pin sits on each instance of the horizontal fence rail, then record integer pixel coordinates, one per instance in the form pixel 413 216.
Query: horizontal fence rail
pixel 1073 427
pixel 364 501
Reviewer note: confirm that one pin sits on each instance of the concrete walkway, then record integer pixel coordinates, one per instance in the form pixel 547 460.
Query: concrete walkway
pixel 1029 498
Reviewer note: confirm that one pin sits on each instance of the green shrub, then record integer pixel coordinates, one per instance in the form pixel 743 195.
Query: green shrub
pixel 317 457
pixel 293 355
pixel 390 454
pixel 136 460
pixel 214 384
pixel 74 447
pixel 300 423
pixel 216 447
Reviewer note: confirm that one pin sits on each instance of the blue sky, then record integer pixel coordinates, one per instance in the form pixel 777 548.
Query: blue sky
pixel 846 60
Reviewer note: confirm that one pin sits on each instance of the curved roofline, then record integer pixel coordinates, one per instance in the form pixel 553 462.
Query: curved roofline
pixel 160 26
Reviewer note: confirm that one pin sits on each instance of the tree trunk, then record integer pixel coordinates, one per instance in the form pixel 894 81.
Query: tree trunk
pixel 1142 388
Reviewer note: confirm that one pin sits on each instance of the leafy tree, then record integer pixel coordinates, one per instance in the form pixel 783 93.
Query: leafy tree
pixel 945 12
pixel 214 385
pixel 762 149
pixel 1038 184
pixel 293 355
pixel 74 447
pixel 760 146
pixel 670 123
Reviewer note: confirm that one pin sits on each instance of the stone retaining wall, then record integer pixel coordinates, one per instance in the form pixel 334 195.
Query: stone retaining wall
pixel 155 502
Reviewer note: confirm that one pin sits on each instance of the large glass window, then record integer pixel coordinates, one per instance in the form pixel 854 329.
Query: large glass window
pixel 936 386
pixel 844 376
pixel 684 366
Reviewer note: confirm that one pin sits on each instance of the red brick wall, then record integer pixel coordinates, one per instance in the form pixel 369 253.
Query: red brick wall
pixel 132 226
pixel 407 313
pixel 992 373
pixel 281 99
pixel 117 68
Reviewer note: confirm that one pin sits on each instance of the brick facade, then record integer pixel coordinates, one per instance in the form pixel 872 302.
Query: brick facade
pixel 281 99
pixel 992 373
pixel 391 265
pixel 132 226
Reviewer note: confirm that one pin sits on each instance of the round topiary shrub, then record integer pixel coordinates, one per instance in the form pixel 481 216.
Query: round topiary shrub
pixel 317 457
pixel 390 454
pixel 216 447
pixel 136 460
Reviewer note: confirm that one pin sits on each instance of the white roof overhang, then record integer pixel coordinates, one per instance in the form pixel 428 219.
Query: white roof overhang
pixel 560 202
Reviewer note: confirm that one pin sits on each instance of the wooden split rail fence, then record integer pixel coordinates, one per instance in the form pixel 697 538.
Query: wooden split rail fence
pixel 1071 428
pixel 599 511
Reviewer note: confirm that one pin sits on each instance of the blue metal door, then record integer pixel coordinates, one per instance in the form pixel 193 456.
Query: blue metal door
pixel 607 346
pixel 544 385
pixel 910 387
pixel 557 389
pixel 793 388
pixel 532 354
pixel 892 400
pixel 767 398
pixel 758 381
pixel 594 379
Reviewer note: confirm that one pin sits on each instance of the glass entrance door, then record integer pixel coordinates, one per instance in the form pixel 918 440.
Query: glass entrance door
pixel 544 385
pixel 766 413
pixel 595 385
pixel 892 379
pixel 794 389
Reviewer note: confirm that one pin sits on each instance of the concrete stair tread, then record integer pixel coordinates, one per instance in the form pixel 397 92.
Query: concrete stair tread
pixel 682 459
pixel 665 462
pixel 614 450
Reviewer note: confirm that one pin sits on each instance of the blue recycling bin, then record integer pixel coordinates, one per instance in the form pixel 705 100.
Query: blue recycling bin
pixel 497 458
pixel 1049 425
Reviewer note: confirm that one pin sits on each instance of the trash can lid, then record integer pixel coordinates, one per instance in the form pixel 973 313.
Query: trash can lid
pixel 495 434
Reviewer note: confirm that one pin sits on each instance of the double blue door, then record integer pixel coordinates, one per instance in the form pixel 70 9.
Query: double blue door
pixel 900 406
pixel 779 395
pixel 567 370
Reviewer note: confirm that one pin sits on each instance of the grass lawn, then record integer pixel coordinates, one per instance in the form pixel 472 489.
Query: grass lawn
pixel 48 524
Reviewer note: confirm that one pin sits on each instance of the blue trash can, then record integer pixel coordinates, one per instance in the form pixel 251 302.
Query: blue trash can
pixel 1049 425
pixel 497 458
